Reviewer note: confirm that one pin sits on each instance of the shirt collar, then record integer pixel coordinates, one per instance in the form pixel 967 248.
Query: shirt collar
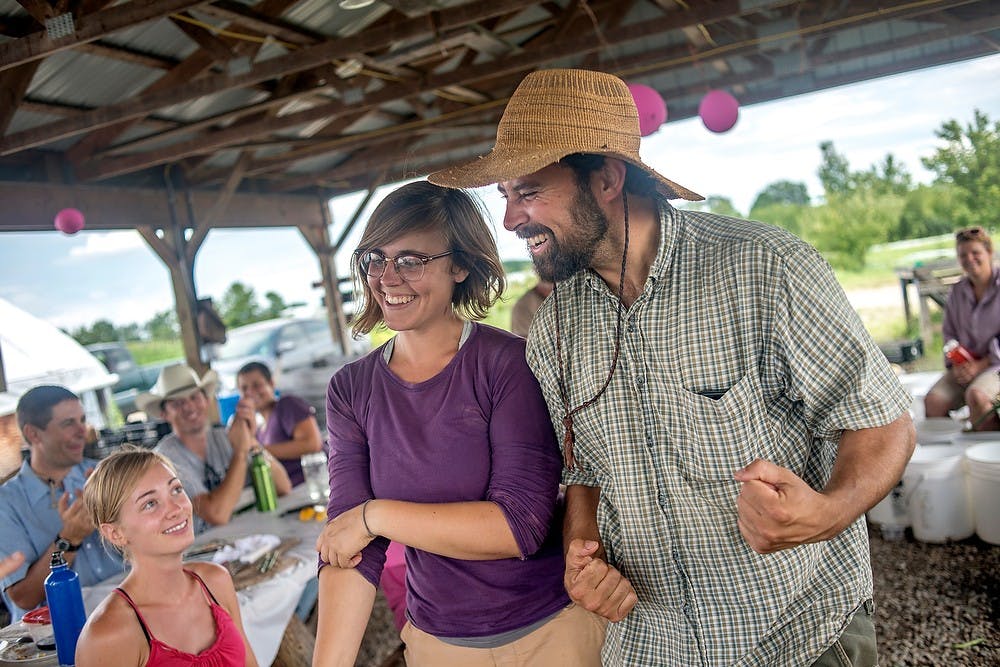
pixel 670 222
pixel 36 488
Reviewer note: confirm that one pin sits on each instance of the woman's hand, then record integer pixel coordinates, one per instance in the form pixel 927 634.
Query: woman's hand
pixel 970 370
pixel 343 538
pixel 246 410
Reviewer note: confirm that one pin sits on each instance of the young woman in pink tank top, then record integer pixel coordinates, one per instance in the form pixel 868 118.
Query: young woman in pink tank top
pixel 163 614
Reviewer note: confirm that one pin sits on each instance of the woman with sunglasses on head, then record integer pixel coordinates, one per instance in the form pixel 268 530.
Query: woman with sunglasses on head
pixel 972 318
pixel 164 612
pixel 440 440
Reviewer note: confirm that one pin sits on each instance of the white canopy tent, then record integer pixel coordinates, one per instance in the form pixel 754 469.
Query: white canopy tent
pixel 35 352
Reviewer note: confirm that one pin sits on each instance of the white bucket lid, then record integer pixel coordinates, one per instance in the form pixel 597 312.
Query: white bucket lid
pixel 986 452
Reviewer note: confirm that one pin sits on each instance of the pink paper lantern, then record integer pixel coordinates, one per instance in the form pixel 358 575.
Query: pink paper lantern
pixel 69 221
pixel 651 107
pixel 719 110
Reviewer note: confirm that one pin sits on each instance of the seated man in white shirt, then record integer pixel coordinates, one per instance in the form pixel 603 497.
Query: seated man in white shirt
pixel 211 461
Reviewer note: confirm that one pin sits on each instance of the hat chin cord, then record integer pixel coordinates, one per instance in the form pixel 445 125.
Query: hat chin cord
pixel 568 459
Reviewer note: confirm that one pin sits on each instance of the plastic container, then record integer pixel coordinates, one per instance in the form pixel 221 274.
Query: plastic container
pixel 891 514
pixel 982 463
pixel 937 494
pixel 65 600
pixel 937 430
pixel 39 624
pixel 314 468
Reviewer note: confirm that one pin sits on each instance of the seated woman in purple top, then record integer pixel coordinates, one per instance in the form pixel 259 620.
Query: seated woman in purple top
pixel 972 317
pixel 290 429
pixel 440 440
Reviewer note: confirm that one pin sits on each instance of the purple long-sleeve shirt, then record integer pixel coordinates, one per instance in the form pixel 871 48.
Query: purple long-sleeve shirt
pixel 975 325
pixel 478 430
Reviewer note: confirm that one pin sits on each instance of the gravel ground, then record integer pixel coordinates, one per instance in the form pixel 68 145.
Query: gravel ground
pixel 930 599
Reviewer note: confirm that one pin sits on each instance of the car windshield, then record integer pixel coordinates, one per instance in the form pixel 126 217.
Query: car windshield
pixel 245 344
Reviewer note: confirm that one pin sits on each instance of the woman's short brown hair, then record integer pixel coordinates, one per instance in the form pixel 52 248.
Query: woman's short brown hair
pixel 460 218
pixel 977 234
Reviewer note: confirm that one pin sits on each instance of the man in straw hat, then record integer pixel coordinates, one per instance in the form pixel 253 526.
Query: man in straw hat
pixel 726 418
pixel 211 461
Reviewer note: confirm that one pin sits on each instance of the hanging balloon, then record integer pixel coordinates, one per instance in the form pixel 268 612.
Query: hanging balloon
pixel 651 107
pixel 69 221
pixel 719 110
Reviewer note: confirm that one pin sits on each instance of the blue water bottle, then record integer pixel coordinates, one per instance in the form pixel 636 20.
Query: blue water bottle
pixel 65 600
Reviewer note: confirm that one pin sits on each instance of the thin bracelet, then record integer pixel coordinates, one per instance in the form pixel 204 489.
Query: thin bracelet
pixel 364 520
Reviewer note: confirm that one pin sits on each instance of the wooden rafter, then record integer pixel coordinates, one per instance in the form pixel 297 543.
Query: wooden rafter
pixel 88 29
pixel 303 59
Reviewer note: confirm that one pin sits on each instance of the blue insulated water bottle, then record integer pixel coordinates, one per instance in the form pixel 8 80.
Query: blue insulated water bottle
pixel 65 600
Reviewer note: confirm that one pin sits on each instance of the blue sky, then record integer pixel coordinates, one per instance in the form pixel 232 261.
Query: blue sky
pixel 76 280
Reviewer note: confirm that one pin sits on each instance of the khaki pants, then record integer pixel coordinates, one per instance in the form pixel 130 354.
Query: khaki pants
pixel 573 637
pixel 856 646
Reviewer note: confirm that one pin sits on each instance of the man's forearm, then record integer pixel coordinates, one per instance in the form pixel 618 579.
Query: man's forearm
pixel 30 591
pixel 580 521
pixel 869 463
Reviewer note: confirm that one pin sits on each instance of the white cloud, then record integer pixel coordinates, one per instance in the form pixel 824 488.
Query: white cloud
pixel 108 243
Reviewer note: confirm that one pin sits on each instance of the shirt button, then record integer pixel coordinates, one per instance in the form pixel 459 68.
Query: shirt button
pixel 631 327
pixel 639 380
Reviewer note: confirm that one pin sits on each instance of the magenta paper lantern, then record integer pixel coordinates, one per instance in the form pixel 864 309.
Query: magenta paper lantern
pixel 651 107
pixel 69 221
pixel 719 110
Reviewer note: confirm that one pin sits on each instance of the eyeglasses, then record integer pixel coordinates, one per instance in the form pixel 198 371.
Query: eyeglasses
pixel 970 234
pixel 408 267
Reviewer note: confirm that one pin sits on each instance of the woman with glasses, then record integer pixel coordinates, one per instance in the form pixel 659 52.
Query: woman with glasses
pixel 165 612
pixel 440 440
pixel 971 317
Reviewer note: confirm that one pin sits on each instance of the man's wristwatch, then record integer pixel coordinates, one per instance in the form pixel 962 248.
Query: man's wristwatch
pixel 62 544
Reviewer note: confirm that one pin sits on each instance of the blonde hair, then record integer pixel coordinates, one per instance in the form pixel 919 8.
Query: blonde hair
pixel 114 477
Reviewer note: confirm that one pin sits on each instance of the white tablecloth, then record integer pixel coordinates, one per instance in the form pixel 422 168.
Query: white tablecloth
pixel 266 607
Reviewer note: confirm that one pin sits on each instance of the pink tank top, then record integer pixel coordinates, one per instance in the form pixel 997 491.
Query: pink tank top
pixel 226 651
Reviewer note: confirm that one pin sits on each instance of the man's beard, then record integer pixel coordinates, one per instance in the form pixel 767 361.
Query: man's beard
pixel 576 251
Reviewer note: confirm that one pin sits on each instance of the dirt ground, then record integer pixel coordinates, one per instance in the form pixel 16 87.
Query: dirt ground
pixel 936 604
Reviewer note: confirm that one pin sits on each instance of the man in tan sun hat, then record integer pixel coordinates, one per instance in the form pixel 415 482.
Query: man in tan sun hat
pixel 211 461
pixel 726 419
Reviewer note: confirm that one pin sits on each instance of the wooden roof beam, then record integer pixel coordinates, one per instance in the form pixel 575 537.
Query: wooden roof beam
pixel 88 29
pixel 272 68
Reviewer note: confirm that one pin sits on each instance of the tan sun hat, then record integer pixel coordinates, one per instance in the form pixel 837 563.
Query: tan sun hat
pixel 175 381
pixel 555 113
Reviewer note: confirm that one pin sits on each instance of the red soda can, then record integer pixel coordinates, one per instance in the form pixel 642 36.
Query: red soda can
pixel 956 353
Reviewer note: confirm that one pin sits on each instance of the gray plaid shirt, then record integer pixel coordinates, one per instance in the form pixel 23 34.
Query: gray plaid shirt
pixel 741 346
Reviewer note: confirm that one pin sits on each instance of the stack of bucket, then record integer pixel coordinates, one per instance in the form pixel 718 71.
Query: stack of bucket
pixel 982 464
pixel 949 490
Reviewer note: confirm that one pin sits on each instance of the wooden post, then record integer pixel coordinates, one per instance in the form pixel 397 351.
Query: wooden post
pixel 318 239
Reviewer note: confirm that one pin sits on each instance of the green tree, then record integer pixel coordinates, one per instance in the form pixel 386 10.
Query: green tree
pixel 970 160
pixel 889 177
pixel 834 171
pixel 239 306
pixel 163 326
pixel 846 226
pixel 716 204
pixel 931 210
pixel 787 216
pixel 276 305
pixel 781 192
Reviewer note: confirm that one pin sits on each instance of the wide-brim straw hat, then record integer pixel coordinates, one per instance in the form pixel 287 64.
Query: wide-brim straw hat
pixel 555 113
pixel 175 381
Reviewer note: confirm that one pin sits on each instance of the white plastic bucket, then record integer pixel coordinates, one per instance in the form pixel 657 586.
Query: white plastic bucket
pixel 936 430
pixel 937 494
pixel 982 462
